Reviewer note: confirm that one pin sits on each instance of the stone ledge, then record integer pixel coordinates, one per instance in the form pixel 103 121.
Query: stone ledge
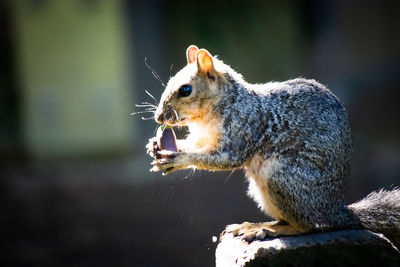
pixel 336 248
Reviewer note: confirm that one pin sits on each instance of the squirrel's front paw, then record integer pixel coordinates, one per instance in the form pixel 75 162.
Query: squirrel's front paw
pixel 152 147
pixel 167 161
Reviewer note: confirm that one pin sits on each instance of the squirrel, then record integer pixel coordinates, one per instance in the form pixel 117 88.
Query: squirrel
pixel 292 138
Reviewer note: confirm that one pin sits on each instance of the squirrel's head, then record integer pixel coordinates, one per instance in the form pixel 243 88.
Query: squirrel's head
pixel 189 95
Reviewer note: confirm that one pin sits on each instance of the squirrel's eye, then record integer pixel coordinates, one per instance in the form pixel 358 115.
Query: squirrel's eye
pixel 185 90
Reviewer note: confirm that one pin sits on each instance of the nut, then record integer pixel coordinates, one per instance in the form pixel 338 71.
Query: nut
pixel 166 139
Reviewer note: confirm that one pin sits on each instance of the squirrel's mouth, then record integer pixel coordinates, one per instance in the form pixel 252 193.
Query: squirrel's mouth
pixel 179 122
pixel 169 117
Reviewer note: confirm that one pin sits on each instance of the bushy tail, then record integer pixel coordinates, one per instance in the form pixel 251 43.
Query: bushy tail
pixel 380 212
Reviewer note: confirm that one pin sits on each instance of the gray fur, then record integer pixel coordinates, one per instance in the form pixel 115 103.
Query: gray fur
pixel 300 132
pixel 379 212
pixel 303 125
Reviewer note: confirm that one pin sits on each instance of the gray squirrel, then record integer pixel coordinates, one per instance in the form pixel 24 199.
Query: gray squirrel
pixel 292 138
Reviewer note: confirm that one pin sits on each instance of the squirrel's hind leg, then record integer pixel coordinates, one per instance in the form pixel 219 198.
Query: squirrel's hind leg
pixel 259 231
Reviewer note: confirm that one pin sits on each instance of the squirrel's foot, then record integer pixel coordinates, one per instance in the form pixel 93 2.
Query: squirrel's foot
pixel 167 161
pixel 260 231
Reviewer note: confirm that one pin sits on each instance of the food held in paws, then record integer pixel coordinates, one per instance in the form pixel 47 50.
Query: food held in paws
pixel 166 139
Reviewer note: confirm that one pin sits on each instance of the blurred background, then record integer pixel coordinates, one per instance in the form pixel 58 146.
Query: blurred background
pixel 75 186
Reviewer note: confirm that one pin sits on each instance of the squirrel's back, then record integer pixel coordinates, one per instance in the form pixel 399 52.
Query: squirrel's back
pixel 297 142
pixel 298 118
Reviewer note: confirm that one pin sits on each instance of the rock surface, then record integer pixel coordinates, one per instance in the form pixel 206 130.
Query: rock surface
pixel 337 248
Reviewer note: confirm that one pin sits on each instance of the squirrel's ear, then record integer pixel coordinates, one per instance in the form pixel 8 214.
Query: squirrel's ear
pixel 204 61
pixel 191 54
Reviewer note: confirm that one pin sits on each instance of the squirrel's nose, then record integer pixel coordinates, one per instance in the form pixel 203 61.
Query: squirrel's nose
pixel 168 116
pixel 159 118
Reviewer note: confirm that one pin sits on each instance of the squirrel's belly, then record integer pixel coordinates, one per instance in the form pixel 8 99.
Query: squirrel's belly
pixel 257 172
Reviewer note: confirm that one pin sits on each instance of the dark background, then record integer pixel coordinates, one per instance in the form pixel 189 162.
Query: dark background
pixel 67 203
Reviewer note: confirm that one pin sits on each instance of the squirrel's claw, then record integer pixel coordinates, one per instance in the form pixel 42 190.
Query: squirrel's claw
pixel 260 231
pixel 167 155
pixel 165 172
pixel 251 231
pixel 168 171
pixel 152 147
pixel 165 160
